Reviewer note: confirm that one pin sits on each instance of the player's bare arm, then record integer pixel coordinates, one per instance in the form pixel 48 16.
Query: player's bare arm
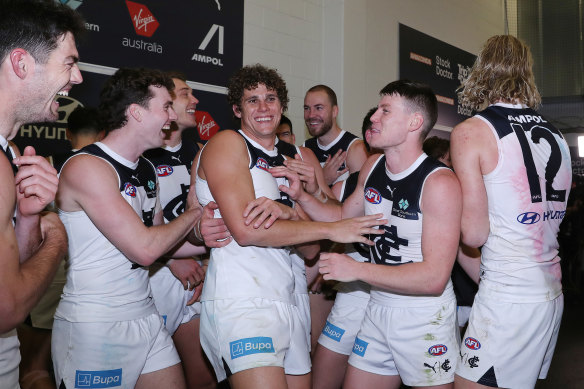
pixel 218 168
pixel 468 143
pixel 90 184
pixel 356 156
pixel 24 284
pixel 441 229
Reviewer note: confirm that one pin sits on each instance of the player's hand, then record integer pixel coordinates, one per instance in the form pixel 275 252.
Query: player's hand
pixel 338 267
pixel 213 230
pixel 187 271
pixel 354 229
pixel 36 183
pixel 305 172
pixel 332 165
pixel 295 188
pixel 196 295
pixel 264 211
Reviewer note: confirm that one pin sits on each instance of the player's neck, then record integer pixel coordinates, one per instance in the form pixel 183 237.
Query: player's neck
pixel 330 136
pixel 174 138
pixel 399 158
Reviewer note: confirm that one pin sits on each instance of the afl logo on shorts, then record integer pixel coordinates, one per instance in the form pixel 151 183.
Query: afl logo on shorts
pixel 130 189
pixel 372 195
pixel 472 343
pixel 437 350
pixel 164 170
pixel 262 164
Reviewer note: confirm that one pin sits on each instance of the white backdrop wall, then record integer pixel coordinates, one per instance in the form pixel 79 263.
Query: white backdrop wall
pixel 352 45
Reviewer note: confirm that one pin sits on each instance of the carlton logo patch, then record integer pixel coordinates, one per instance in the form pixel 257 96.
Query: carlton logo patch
pixel 472 343
pixel 130 189
pixel 248 346
pixel 164 170
pixel 98 379
pixel 263 164
pixel 437 350
pixel 372 195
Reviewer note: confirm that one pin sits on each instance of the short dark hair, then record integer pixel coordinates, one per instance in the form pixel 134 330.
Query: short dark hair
pixel 285 120
pixel 367 125
pixel 177 74
pixel 436 147
pixel 330 93
pixel 420 98
pixel 36 26
pixel 84 120
pixel 128 86
pixel 249 77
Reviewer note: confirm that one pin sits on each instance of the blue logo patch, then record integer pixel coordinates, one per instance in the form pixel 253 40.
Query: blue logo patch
pixel 437 350
pixel 360 347
pixel 528 218
pixel 98 379
pixel 333 332
pixel 263 164
pixel 472 343
pixel 248 346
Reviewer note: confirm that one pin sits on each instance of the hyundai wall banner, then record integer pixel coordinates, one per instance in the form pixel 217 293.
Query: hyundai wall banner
pixel 442 66
pixel 202 39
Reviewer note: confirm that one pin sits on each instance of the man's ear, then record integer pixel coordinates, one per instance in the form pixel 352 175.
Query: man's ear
pixel 335 111
pixel 236 111
pixel 135 111
pixel 21 62
pixel 416 121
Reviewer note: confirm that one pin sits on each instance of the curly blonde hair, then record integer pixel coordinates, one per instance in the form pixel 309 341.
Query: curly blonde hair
pixel 501 72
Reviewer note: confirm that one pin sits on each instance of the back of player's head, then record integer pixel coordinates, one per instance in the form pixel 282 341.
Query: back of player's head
pixel 36 26
pixel 126 87
pixel 502 72
pixel 436 147
pixel 84 121
pixel 367 125
pixel 284 120
pixel 249 77
pixel 419 97
pixel 332 96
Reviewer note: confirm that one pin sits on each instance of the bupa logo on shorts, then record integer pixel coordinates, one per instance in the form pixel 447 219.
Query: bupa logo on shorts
pixel 164 170
pixel 472 343
pixel 130 189
pixel 98 379
pixel 528 218
pixel 372 195
pixel 263 164
pixel 248 346
pixel 333 332
pixel 437 350
pixel 359 347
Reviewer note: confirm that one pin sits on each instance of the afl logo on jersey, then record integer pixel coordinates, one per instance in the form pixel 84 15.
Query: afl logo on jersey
pixel 528 218
pixel 262 164
pixel 472 343
pixel 437 350
pixel 372 195
pixel 130 189
pixel 164 170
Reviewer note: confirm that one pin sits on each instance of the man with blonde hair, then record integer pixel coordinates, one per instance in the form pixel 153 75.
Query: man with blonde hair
pixel 515 172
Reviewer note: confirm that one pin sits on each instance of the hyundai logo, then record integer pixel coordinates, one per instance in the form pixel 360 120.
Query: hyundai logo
pixel 528 218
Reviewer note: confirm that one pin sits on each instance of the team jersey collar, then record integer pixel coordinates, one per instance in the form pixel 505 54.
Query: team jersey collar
pixel 408 171
pixel 117 157
pixel 173 149
pixel 334 142
pixel 509 105
pixel 3 143
pixel 271 153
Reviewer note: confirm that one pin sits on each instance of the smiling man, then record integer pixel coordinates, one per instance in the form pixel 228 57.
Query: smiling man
pixel 409 332
pixel 338 151
pixel 38 60
pixel 250 327
pixel 106 324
